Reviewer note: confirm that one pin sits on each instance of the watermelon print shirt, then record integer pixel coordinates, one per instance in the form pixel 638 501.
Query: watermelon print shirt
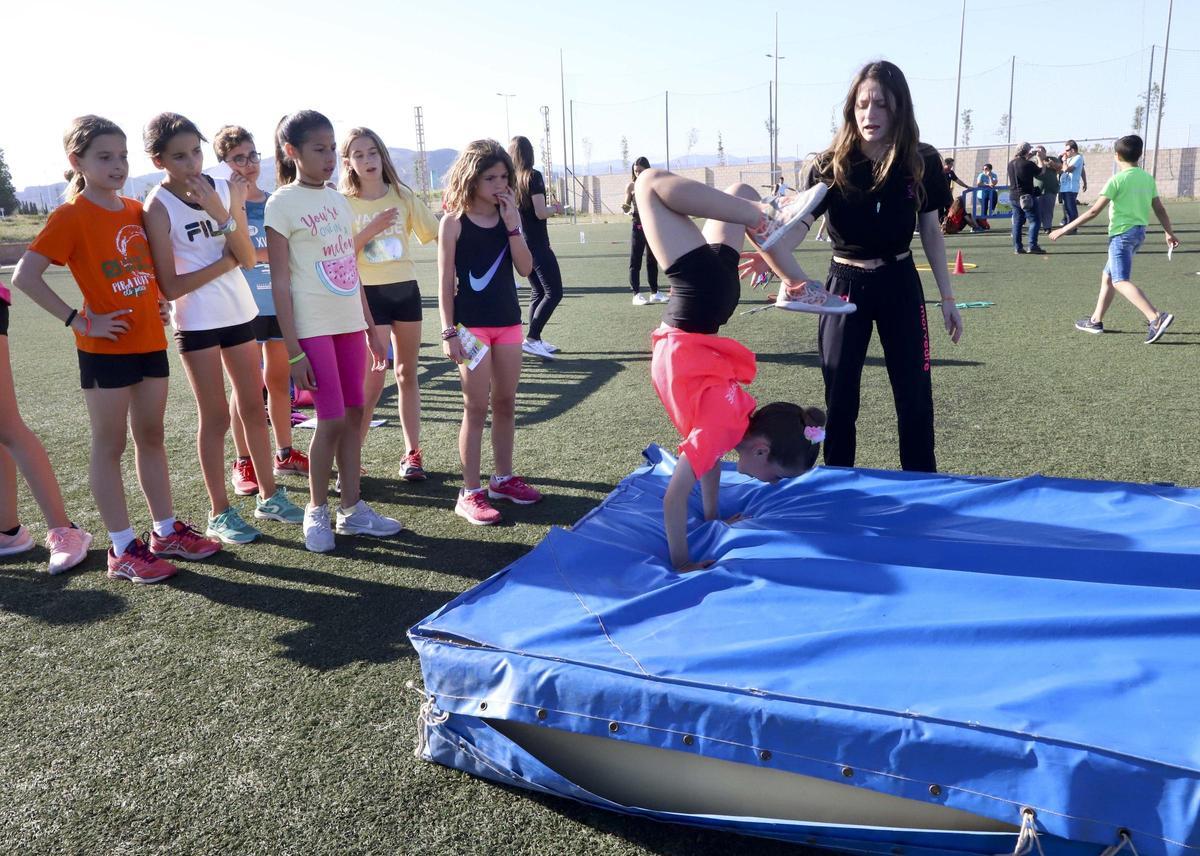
pixel 319 227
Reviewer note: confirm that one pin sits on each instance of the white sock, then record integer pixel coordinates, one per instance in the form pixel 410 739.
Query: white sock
pixel 499 480
pixel 467 490
pixel 121 540
pixel 165 527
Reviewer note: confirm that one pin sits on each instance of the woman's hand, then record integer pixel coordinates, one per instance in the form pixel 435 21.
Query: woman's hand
pixel 302 373
pixel 453 349
pixel 756 267
pixel 111 325
pixel 952 319
pixel 508 210
pixel 205 195
pixel 378 350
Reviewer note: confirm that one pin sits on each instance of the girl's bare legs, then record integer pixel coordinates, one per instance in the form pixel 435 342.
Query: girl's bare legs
pixel 241 364
pixel 406 346
pixel 148 406
pixel 21 449
pixel 477 385
pixel 203 370
pixel 349 456
pixel 506 373
pixel 276 372
pixel 108 410
pixel 373 385
pixel 325 443
pixel 667 202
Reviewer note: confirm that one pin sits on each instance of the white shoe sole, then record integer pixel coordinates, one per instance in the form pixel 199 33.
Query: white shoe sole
pixel 494 495
pixel 319 548
pixel 278 518
pixel 472 520
pixel 839 308
pixel 355 530
pixel 16 549
pixel 805 204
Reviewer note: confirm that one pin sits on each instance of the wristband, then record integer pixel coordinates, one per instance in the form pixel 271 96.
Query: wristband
pixel 293 360
pixel 70 317
pixel 514 232
pixel 449 333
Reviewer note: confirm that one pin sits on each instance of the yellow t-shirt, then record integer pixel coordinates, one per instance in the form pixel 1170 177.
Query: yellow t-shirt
pixel 385 259
pixel 325 283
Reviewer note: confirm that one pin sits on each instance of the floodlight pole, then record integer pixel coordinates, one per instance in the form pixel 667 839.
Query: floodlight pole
pixel 1149 87
pixel 507 126
pixel 962 29
pixel 1012 76
pixel 574 176
pixel 667 124
pixel 562 78
pixel 1162 89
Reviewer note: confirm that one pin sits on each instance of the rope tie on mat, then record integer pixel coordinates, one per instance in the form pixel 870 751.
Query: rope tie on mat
pixel 427 715
pixel 1027 839
pixel 1123 841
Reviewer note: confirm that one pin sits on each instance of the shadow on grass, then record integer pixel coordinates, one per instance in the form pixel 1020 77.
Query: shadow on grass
pixel 811 359
pixel 37 595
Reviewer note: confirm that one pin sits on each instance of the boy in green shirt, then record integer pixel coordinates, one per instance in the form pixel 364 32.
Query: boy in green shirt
pixel 1133 194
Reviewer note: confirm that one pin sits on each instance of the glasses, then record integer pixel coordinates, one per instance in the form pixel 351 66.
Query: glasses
pixel 242 160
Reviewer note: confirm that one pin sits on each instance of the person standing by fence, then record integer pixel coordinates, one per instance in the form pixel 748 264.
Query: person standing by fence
pixel 1072 182
pixel 637 246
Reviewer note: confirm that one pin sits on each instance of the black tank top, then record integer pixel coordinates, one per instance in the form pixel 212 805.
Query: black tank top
pixel 486 295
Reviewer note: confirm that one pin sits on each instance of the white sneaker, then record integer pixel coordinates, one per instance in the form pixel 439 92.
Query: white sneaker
pixel 659 297
pixel 551 348
pixel 363 520
pixel 318 534
pixel 536 348
pixel 814 299
pixel 784 214
pixel 639 299
pixel 68 547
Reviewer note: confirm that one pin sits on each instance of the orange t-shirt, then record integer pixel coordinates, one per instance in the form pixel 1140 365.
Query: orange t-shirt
pixel 109 256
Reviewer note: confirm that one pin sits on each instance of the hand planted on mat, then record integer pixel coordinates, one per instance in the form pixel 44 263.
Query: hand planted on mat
pixel 754 266
pixel 953 320
pixel 736 518
pixel 695 566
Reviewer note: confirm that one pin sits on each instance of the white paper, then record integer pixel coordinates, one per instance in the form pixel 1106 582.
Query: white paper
pixel 311 422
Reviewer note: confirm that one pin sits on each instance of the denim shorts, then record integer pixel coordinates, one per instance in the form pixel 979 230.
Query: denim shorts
pixel 1120 253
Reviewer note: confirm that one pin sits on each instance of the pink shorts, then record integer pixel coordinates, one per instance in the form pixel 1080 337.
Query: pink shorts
pixel 492 336
pixel 339 365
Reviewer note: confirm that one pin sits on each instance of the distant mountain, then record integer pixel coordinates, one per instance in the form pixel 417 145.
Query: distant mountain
pixel 136 187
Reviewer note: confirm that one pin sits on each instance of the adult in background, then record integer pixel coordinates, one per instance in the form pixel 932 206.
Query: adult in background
pixel 951 179
pixel 545 280
pixel 1072 181
pixel 883 184
pixel 637 245
pixel 1022 194
pixel 1047 184
pixel 987 181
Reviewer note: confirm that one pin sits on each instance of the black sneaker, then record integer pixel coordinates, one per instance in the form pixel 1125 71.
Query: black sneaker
pixel 1087 325
pixel 1037 251
pixel 1158 326
pixel 1019 251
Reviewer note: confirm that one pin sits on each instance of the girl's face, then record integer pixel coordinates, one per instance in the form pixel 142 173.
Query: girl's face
pixel 363 157
pixel 182 157
pixel 754 460
pixel 493 180
pixel 638 170
pixel 872 113
pixel 244 160
pixel 316 157
pixel 105 164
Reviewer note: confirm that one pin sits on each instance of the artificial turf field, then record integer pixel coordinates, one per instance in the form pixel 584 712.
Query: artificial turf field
pixel 257 703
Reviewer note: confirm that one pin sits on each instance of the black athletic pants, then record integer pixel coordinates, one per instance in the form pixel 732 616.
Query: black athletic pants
pixel 637 246
pixel 890 298
pixel 545 288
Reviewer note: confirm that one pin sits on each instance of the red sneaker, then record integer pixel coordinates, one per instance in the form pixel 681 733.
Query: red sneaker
pixel 186 542
pixel 138 565
pixel 474 507
pixel 295 464
pixel 245 482
pixel 513 489
pixel 410 467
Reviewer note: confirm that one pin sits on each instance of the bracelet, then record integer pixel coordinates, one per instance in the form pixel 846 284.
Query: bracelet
pixel 513 233
pixel 70 317
pixel 449 333
pixel 293 360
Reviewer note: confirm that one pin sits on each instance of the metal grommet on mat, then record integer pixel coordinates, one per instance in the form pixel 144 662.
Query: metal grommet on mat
pixel 848 772
pixel 935 790
pixel 541 714
pixel 764 755
pixel 688 740
pixel 483 705
pixel 614 727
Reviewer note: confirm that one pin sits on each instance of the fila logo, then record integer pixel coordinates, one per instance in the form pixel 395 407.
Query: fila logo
pixel 201 227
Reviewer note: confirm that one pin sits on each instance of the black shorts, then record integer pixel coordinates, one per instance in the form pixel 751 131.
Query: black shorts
pixel 3 318
pixel 116 371
pixel 218 337
pixel 266 328
pixel 705 289
pixel 399 301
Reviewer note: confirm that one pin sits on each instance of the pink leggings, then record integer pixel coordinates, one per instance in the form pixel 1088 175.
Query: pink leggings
pixel 339 365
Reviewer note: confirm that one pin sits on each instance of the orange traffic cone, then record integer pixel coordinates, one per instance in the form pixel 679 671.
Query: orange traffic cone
pixel 959 267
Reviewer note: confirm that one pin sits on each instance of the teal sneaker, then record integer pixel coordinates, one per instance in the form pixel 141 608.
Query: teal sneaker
pixel 231 528
pixel 278 507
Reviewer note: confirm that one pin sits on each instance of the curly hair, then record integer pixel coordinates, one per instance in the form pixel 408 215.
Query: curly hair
pixel 463 179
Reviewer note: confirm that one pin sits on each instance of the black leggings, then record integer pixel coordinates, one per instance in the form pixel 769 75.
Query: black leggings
pixel 546 290
pixel 637 246
pixel 892 298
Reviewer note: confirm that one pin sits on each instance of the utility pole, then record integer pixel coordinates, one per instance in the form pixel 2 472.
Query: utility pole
pixel 574 177
pixel 773 110
pixel 1012 76
pixel 962 29
pixel 422 164
pixel 562 78
pixel 507 127
pixel 1146 113
pixel 1162 89
pixel 667 124
pixel 547 161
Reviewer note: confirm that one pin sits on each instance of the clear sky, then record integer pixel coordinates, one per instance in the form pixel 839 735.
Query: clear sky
pixel 1080 67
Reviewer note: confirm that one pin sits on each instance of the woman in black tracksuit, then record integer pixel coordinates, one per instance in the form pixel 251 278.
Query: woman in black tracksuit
pixel 545 280
pixel 883 183
pixel 638 247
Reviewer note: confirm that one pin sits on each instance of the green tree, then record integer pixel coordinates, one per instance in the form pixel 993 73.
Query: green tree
pixel 8 193
pixel 720 150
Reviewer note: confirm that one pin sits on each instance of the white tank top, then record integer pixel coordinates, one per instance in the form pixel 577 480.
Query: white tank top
pixel 221 302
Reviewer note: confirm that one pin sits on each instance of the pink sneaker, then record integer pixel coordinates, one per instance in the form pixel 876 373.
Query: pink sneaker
pixel 138 565
pixel 243 478
pixel 186 542
pixel 68 547
pixel 474 508
pixel 18 542
pixel 513 488
pixel 295 464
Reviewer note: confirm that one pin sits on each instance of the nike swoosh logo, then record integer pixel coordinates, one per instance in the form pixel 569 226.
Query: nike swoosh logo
pixel 480 283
